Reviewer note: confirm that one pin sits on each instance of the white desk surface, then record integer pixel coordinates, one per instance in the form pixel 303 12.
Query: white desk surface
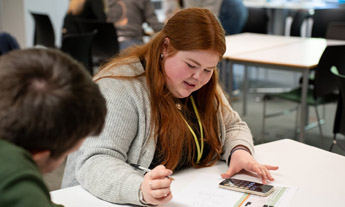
pixel 304 53
pixel 318 174
pixel 277 50
pixel 294 52
pixel 251 42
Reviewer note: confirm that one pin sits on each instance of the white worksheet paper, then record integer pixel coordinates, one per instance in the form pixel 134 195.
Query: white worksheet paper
pixel 204 191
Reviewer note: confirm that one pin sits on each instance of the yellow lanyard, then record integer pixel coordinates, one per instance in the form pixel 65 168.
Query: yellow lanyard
pixel 200 150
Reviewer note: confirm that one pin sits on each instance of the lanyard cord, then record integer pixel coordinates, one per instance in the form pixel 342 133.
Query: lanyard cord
pixel 200 150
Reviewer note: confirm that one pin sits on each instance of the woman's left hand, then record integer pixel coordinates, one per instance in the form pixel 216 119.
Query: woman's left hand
pixel 241 159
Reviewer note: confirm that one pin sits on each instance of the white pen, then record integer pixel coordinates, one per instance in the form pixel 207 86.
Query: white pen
pixel 146 170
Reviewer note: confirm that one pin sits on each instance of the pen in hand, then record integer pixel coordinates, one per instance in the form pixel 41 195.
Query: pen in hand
pixel 146 169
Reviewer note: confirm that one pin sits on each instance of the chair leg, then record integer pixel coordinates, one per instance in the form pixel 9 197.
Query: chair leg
pixel 319 124
pixel 263 120
pixel 334 142
pixel 296 121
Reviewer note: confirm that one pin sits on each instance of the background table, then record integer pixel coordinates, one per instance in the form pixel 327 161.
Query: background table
pixel 318 174
pixel 278 11
pixel 275 52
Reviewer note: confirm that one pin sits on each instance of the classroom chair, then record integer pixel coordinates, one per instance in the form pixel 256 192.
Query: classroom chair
pixel 298 18
pixel 257 21
pixel 43 32
pixel 79 47
pixel 323 17
pixel 323 90
pixel 339 121
pixel 105 44
pixel 336 31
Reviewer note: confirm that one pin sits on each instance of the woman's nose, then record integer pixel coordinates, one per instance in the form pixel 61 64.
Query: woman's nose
pixel 196 74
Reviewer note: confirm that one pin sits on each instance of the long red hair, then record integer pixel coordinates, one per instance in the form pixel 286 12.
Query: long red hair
pixel 188 29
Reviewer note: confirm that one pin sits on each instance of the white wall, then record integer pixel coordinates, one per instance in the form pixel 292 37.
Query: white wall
pixel 12 19
pixel 16 19
pixel 0 15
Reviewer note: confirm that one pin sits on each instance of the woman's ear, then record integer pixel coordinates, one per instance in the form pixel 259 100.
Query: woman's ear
pixel 165 46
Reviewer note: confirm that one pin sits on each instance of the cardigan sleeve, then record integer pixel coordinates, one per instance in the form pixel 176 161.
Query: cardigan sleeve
pixel 234 131
pixel 101 165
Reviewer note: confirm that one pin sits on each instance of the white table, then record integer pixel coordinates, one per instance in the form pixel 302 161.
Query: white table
pixel 275 52
pixel 278 10
pixel 283 4
pixel 318 174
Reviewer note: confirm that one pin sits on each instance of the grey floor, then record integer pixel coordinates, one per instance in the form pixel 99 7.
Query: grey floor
pixel 276 128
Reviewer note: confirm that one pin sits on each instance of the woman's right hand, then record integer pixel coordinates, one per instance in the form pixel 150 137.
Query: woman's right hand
pixel 156 186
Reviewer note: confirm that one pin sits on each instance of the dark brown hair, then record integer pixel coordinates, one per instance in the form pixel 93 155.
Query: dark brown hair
pixel 48 101
pixel 189 29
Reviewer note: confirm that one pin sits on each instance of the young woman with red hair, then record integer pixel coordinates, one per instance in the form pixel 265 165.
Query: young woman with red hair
pixel 166 111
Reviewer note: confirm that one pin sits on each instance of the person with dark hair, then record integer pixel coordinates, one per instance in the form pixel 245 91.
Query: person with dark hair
pixel 48 105
pixel 167 112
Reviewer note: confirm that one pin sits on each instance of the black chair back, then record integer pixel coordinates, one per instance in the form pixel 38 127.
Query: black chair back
pixel 105 44
pixel 325 82
pixel 323 17
pixel 297 22
pixel 336 30
pixel 44 32
pixel 70 25
pixel 339 121
pixel 79 47
pixel 257 21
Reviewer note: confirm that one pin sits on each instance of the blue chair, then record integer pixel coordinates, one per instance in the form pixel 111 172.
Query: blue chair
pixel 7 43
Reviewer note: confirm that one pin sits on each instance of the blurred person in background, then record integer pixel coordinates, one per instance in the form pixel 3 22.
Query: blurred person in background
pixel 83 9
pixel 128 17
